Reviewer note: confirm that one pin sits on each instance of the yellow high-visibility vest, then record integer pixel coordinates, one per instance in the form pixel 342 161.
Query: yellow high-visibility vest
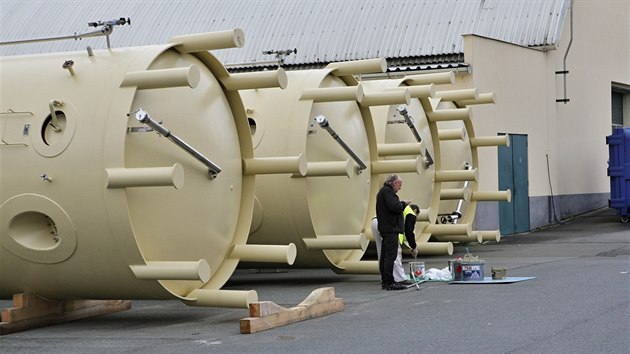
pixel 407 211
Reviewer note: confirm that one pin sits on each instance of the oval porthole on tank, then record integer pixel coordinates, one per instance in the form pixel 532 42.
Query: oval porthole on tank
pixel 256 129
pixel 55 131
pixel 34 230
pixel 252 125
pixel 53 128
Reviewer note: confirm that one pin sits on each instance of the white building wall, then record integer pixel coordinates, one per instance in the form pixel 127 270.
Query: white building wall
pixel 570 136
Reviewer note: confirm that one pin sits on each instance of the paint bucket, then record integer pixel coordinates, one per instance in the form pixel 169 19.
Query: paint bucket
pixel 466 270
pixel 472 270
pixel 498 273
pixel 455 266
pixel 417 270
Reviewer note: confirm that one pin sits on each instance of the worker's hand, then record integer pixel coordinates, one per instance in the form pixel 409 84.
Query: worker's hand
pixel 407 202
pixel 414 252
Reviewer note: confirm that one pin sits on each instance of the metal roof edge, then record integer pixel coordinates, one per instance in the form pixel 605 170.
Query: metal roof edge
pixel 513 44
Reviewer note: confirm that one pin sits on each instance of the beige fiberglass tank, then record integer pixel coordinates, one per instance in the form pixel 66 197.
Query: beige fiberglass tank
pixel 129 173
pixel 323 115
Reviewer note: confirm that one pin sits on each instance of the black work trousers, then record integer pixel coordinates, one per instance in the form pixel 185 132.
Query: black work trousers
pixel 389 251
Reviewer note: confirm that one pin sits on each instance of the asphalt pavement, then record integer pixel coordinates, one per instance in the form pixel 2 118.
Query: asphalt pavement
pixel 578 302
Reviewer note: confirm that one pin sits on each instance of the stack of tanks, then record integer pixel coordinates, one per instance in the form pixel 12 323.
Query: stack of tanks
pixel 151 172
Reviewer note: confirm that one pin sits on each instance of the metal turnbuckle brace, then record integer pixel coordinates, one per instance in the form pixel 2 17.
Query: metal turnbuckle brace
pixel 323 122
pixel 144 118
pixel 428 160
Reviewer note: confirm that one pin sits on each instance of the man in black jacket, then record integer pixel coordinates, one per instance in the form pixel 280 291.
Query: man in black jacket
pixel 389 213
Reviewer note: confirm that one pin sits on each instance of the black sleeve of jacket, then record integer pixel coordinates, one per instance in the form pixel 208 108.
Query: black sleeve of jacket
pixel 410 226
pixel 393 203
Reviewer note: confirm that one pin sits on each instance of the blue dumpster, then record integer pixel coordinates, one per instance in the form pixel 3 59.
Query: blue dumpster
pixel 619 171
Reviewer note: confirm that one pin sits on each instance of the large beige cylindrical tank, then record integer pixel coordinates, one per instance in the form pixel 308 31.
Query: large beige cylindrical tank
pixel 95 204
pixel 327 212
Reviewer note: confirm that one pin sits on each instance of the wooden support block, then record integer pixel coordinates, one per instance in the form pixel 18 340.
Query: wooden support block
pixel 26 306
pixel 31 311
pixel 266 314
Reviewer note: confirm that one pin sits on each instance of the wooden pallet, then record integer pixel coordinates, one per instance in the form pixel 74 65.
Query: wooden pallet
pixel 266 314
pixel 31 311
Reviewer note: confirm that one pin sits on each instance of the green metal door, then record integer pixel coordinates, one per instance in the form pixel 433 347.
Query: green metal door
pixel 514 216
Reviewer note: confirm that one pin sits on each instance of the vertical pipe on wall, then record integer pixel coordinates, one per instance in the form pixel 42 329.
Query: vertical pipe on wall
pixel 564 71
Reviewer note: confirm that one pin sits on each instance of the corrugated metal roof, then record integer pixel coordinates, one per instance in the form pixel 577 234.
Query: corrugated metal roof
pixel 321 30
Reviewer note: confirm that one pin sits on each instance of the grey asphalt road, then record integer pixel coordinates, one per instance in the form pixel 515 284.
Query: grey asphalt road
pixel 579 302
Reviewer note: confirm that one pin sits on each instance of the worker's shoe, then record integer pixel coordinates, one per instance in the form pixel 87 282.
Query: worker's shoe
pixel 396 286
pixel 406 282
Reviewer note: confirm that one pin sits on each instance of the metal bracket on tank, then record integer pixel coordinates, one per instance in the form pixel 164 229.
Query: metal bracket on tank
pixel 144 118
pixel 140 129
pixel 323 122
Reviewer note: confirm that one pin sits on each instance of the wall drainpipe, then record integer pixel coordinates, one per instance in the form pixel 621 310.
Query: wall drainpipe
pixel 564 71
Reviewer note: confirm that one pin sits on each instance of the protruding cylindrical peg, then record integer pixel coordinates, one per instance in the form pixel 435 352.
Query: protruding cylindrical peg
pixel 173 270
pixel 484 98
pixel 397 166
pixel 333 94
pixel 146 177
pixel 265 253
pixel 221 298
pixel 359 267
pixel 452 134
pixel 356 67
pixel 435 248
pixel 400 149
pixel 449 114
pixel 337 242
pixel 473 237
pixel 456 194
pixel 492 196
pixel 457 175
pixel 422 91
pixel 202 42
pixel 499 140
pixel 163 78
pixel 447 77
pixel 386 98
pixel 449 229
pixel 329 168
pixel 424 215
pixel 275 165
pixel 457 95
pixel 490 235
pixel 255 80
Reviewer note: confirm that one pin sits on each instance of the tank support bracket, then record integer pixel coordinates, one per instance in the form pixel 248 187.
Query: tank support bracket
pixel 267 314
pixel 31 311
